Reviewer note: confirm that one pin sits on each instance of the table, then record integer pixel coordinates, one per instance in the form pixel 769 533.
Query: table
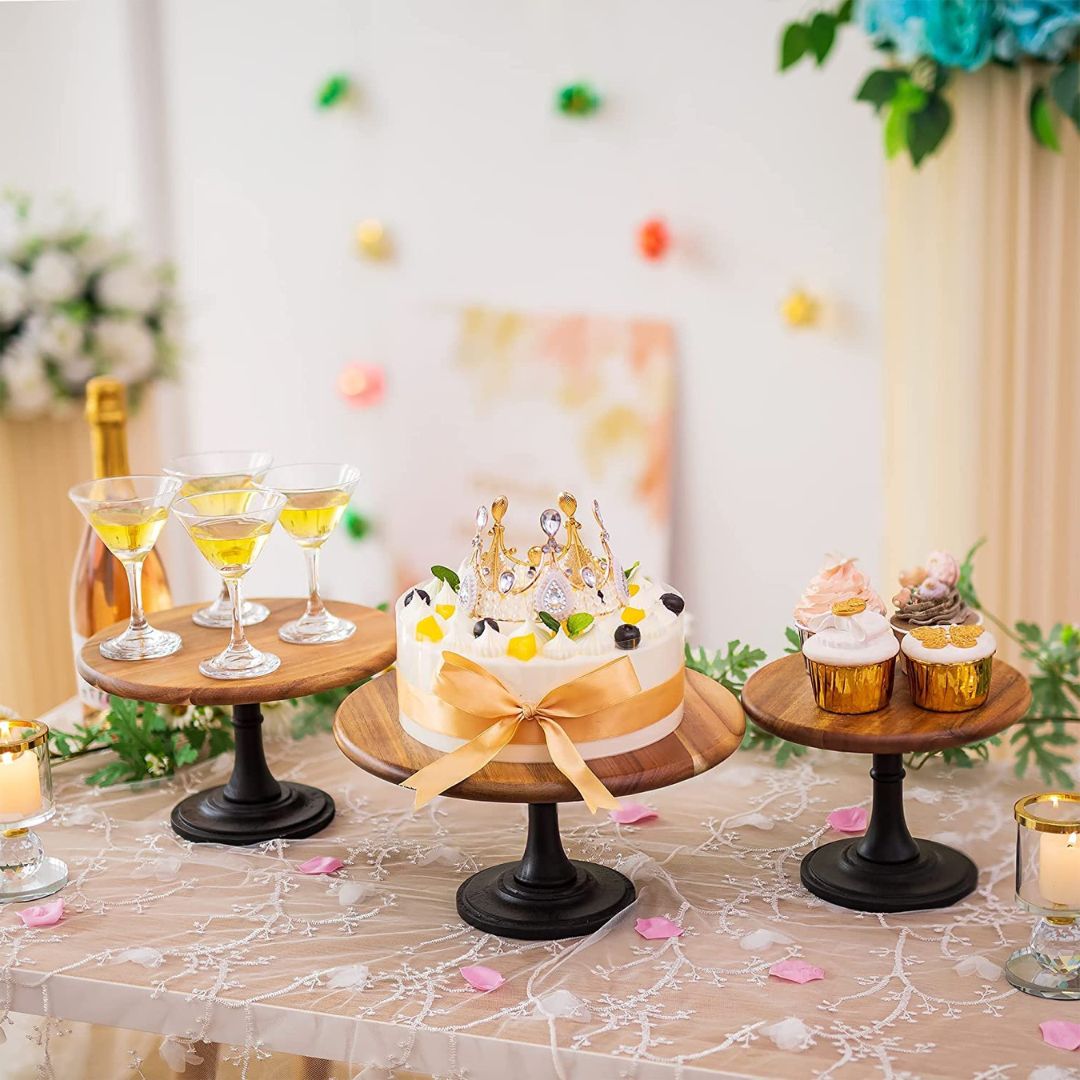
pixel 234 946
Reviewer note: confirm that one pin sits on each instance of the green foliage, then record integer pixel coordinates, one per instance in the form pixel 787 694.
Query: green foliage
pixel 1065 90
pixel 794 642
pixel 879 88
pixel 815 37
pixel 965 585
pixel 315 714
pixel 1042 120
pixel 444 573
pixel 731 669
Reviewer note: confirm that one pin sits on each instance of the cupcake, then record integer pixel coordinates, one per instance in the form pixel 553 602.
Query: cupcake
pixel 928 596
pixel 838 579
pixel 949 667
pixel 851 658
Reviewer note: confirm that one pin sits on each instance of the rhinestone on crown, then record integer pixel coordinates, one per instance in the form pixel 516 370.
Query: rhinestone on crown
pixel 555 577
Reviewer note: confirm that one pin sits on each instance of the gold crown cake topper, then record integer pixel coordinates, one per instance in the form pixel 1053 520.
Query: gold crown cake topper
pixel 559 578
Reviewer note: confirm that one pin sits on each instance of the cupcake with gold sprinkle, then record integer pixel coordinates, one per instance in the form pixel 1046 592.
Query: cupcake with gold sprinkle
pixel 851 659
pixel 949 667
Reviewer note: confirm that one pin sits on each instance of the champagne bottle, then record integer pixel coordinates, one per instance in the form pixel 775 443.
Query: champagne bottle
pixel 99 589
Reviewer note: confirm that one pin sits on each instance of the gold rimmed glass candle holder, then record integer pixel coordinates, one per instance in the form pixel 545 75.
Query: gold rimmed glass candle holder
pixel 1048 884
pixel 316 497
pixel 26 800
pixel 230 529
pixel 128 514
pixel 222 470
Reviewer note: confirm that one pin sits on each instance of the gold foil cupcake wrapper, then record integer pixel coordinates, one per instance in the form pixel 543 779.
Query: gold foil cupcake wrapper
pixel 852 690
pixel 949 687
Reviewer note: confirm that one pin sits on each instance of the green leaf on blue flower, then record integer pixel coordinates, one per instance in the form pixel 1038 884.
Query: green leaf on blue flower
pixel 1042 120
pixel 927 127
pixel 1065 89
pixel 821 34
pixel 793 45
pixel 879 87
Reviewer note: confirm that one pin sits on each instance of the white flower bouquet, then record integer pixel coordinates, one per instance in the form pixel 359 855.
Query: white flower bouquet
pixel 76 303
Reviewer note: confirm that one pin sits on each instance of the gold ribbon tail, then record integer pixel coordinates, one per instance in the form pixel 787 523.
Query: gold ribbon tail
pixel 454 767
pixel 567 759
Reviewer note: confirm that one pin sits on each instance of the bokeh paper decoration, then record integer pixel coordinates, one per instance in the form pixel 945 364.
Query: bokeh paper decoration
pixel 372 240
pixel 800 310
pixel 336 90
pixel 577 99
pixel 653 239
pixel 362 385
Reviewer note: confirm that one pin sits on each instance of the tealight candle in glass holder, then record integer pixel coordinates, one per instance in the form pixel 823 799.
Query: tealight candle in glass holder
pixel 1048 884
pixel 26 800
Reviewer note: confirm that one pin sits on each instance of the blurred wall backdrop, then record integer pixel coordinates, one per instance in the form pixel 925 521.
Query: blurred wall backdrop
pixel 195 123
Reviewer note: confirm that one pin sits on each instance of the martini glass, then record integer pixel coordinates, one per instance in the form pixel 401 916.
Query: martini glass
pixel 222 470
pixel 230 528
pixel 315 500
pixel 128 514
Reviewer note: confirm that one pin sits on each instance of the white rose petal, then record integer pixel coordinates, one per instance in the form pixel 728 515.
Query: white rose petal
pixel 23 370
pixel 96 252
pixel 54 277
pixel 12 293
pixel 978 965
pixel 142 955
pixel 60 337
pixel 757 940
pixel 789 1034
pixel 353 892
pixel 127 348
pixel 561 1003
pixel 131 287
pixel 350 977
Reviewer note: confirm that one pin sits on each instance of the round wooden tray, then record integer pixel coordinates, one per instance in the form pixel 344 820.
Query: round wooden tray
pixel 779 699
pixel 305 669
pixel 369 733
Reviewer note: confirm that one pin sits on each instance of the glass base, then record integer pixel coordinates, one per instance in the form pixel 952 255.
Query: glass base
pixel 145 644
pixel 246 663
pixel 218 615
pixel 317 630
pixel 1026 973
pixel 50 877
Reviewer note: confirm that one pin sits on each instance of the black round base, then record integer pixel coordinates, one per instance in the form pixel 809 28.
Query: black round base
pixel 938 877
pixel 209 817
pixel 497 901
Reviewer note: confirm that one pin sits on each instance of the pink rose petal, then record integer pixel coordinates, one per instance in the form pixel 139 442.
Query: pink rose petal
pixel 796 971
pixel 658 929
pixel 321 864
pixel 43 914
pixel 632 813
pixel 482 978
pixel 849 819
pixel 1061 1033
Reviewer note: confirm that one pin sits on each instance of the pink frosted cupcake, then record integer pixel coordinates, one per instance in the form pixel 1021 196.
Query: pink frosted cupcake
pixel 838 579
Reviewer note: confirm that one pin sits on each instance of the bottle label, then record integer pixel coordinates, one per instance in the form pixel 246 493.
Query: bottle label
pixel 93 698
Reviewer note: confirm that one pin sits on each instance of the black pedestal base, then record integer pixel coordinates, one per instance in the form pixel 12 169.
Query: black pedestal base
pixel 253 806
pixel 887 869
pixel 498 902
pixel 210 817
pixel 544 896
pixel 937 877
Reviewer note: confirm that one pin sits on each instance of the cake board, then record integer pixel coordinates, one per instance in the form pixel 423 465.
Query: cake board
pixel 886 869
pixel 253 806
pixel 544 895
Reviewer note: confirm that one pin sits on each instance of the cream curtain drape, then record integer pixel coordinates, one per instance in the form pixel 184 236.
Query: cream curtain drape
pixel 983 353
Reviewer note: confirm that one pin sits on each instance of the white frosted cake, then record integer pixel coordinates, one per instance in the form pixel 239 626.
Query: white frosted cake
pixel 536 625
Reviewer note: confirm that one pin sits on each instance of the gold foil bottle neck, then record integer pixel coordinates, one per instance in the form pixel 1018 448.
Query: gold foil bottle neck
pixel 106 400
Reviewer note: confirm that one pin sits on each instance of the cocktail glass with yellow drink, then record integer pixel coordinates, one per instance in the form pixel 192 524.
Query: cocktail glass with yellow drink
pixel 220 471
pixel 316 497
pixel 128 514
pixel 230 528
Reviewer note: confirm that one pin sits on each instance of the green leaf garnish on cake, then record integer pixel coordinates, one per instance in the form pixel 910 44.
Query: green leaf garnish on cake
pixel 549 621
pixel 630 571
pixel 578 624
pixel 444 573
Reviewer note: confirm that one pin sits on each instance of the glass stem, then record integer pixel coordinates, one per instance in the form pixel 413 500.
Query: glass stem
pixel 223 596
pixel 314 604
pixel 138 623
pixel 237 641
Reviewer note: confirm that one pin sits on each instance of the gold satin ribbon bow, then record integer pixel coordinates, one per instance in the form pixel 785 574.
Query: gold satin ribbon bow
pixel 472 689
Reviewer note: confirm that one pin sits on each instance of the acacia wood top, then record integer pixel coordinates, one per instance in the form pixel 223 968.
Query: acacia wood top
pixel 305 669
pixel 369 733
pixel 779 699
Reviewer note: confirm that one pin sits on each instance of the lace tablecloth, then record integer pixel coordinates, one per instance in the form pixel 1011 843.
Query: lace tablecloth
pixel 235 946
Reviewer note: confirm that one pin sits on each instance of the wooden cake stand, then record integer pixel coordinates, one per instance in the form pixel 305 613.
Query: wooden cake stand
pixel 544 895
pixel 886 869
pixel 253 806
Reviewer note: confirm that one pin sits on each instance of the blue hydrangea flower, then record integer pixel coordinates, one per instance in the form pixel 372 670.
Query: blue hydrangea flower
pixel 961 33
pixel 901 22
pixel 1047 29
